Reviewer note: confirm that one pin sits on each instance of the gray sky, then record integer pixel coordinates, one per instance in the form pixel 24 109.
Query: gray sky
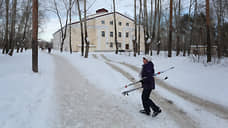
pixel 125 7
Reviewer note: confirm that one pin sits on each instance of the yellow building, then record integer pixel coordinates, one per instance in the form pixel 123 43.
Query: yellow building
pixel 100 28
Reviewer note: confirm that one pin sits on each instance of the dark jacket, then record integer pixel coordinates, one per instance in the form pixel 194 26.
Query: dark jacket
pixel 147 76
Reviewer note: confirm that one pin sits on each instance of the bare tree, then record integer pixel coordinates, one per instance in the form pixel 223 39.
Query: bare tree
pixel 12 32
pixel 34 36
pixel 178 29
pixel 159 27
pixel 156 4
pixel 145 27
pixel 70 1
pixel 208 31
pixel 219 10
pixel 85 27
pixel 63 29
pixel 170 29
pixel 6 45
pixel 140 14
pixel 27 17
pixel 23 24
pixel 135 39
pixel 81 26
pixel 115 29
pixel 190 41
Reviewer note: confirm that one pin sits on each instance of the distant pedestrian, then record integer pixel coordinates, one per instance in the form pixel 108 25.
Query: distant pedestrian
pixel 49 50
pixel 148 84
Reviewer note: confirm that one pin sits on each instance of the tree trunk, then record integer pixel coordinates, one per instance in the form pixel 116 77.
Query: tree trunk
pixel 146 34
pixel 12 33
pixel 184 52
pixel 170 29
pixel 35 36
pixel 63 32
pixel 135 38
pixel 115 29
pixel 85 27
pixel 189 15
pixel 25 25
pixel 140 13
pixel 219 10
pixel 155 20
pixel 70 28
pixel 178 29
pixel 81 26
pixel 159 24
pixel 208 31
pixel 6 45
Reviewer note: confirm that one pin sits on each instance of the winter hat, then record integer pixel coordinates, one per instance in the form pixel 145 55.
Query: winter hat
pixel 148 58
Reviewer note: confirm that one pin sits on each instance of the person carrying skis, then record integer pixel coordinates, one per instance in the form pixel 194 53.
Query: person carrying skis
pixel 148 85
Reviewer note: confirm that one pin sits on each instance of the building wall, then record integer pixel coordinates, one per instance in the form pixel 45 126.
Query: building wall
pixel 95 27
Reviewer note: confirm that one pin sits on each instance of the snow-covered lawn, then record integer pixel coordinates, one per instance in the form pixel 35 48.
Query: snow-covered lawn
pixel 25 97
pixel 28 100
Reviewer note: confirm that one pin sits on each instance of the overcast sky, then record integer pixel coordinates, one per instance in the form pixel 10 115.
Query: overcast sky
pixel 125 7
pixel 52 24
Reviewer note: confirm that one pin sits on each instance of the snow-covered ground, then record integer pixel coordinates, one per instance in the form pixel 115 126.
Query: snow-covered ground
pixel 27 99
pixel 203 80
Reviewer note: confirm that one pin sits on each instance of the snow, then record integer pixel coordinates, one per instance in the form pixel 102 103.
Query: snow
pixel 206 81
pixel 29 99
pixel 112 82
pixel 25 99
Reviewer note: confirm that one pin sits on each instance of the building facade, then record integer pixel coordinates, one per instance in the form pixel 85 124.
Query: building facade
pixel 100 29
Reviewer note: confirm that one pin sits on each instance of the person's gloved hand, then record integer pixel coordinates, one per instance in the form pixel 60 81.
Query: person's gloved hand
pixel 141 81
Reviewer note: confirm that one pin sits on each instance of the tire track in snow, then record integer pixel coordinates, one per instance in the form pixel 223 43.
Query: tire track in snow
pixel 217 109
pixel 82 105
pixel 179 116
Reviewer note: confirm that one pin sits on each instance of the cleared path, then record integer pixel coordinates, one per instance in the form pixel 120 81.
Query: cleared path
pixel 82 105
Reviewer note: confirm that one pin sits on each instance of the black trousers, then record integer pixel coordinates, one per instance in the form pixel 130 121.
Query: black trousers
pixel 147 102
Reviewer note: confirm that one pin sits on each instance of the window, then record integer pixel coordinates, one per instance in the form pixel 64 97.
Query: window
pixel 111 22
pixel 102 22
pixel 119 45
pixel 111 45
pixel 119 34
pixel 127 24
pixel 111 34
pixel 120 23
pixel 127 34
pixel 103 33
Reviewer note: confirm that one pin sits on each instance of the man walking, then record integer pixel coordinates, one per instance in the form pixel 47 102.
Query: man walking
pixel 148 85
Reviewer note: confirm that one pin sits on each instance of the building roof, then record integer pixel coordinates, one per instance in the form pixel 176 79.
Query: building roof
pixel 97 16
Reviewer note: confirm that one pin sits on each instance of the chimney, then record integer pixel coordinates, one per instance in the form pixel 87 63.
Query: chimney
pixel 102 10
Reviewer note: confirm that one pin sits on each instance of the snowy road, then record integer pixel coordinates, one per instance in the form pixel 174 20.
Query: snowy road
pixel 86 101
pixel 82 105
pixel 185 119
pixel 177 114
pixel 217 109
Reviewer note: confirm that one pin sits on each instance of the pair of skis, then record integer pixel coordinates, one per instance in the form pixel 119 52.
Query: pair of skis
pixel 125 93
